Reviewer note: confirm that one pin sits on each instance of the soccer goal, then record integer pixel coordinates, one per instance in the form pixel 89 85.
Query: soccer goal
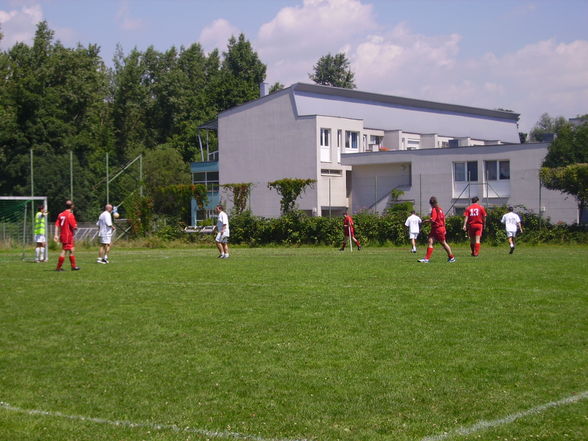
pixel 17 223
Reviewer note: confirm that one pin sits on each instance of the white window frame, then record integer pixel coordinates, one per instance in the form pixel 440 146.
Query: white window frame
pixel 497 163
pixel 325 136
pixel 466 165
pixel 349 139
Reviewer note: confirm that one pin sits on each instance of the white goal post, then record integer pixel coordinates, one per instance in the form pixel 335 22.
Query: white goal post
pixel 17 222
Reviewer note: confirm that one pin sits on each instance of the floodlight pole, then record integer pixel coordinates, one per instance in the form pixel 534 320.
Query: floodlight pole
pixel 32 176
pixel 71 175
pixel 141 175
pixel 107 182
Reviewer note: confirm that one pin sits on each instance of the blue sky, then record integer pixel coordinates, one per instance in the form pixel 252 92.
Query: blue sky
pixel 530 56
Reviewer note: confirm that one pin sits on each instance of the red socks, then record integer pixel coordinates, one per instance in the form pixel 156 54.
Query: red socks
pixel 429 253
pixel 60 262
pixel 477 249
pixel 72 260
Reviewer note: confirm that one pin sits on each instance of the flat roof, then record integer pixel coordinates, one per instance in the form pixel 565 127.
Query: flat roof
pixel 402 101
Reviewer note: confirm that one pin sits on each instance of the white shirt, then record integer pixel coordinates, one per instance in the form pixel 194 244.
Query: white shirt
pixel 223 220
pixel 105 224
pixel 413 223
pixel 511 220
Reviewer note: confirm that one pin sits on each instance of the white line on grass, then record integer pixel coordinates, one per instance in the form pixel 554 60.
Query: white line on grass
pixel 151 426
pixel 483 425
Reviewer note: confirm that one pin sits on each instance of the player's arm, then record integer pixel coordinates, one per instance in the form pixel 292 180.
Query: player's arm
pixel 465 220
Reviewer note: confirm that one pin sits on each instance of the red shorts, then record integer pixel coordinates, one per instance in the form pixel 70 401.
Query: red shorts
pixel 346 232
pixel 438 234
pixel 475 230
pixel 67 246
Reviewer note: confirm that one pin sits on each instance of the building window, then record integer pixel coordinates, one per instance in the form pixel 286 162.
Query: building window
pixel 376 140
pixel 497 170
pixel 325 137
pixel 465 171
pixel 339 138
pixel 208 179
pixel 331 172
pixel 351 139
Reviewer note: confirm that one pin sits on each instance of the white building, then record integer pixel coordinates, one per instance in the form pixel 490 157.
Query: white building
pixel 359 146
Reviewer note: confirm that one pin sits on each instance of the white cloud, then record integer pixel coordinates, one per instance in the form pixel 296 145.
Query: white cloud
pixel 547 76
pixel 124 19
pixel 216 35
pixel 298 36
pixel 19 25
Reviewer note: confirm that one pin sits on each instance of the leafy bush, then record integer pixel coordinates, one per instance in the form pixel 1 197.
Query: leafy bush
pixel 296 228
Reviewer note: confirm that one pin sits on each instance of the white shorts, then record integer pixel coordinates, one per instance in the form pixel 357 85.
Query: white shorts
pixel 511 233
pixel 40 238
pixel 105 240
pixel 222 238
pixel 413 235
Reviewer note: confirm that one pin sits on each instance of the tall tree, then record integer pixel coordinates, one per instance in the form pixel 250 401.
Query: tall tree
pixel 333 70
pixel 546 125
pixel 241 73
pixel 565 167
pixel 53 102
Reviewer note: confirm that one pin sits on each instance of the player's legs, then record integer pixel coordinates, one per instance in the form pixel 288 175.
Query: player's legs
pixel 511 241
pixel 225 246
pixel 430 248
pixel 220 248
pixel 475 233
pixel 107 251
pixel 356 241
pixel 101 252
pixel 61 259
pixel 72 258
pixel 447 249
pixel 39 251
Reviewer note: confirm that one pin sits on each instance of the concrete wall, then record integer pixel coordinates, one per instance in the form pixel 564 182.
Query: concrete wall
pixel 432 174
pixel 263 141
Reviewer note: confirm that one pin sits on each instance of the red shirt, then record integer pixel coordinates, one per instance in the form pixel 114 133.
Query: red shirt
pixel 348 221
pixel 475 214
pixel 437 218
pixel 66 221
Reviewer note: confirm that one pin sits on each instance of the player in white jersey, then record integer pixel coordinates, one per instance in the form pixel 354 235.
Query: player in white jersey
pixel 512 223
pixel 105 229
pixel 413 222
pixel 223 233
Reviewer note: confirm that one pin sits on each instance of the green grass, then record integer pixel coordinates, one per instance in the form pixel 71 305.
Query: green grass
pixel 295 343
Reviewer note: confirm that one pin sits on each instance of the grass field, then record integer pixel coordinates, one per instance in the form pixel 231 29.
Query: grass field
pixel 296 344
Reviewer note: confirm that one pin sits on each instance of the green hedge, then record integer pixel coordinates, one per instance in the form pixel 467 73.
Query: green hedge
pixel 296 228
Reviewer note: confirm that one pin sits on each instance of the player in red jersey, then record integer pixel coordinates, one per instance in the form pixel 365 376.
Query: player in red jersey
pixel 348 231
pixel 474 223
pixel 65 228
pixel 438 232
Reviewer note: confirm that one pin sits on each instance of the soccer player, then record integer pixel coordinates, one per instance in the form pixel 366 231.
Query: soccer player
pixel 348 231
pixel 65 229
pixel 105 230
pixel 437 234
pixel 512 222
pixel 413 222
pixel 41 234
pixel 223 232
pixel 474 222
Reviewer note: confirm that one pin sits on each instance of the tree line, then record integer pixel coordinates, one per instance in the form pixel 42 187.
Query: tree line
pixel 55 100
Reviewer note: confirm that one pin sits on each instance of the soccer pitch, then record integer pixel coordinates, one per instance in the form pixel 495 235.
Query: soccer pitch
pixel 296 344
